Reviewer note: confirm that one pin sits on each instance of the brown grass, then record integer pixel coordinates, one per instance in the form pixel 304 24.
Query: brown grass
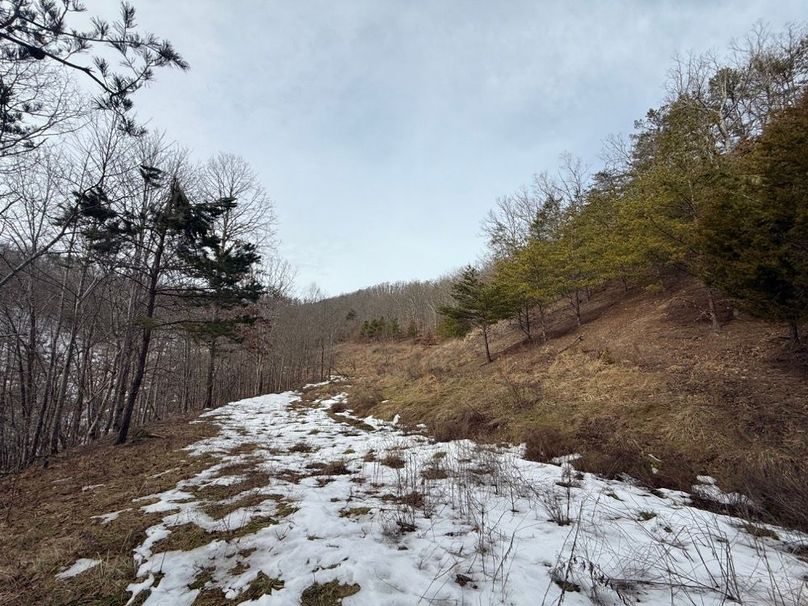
pixel 645 383
pixel 393 460
pixel 261 585
pixel 190 536
pixel 327 594
pixel 312 394
pixel 218 510
pixel 352 421
pixel 253 478
pixel 45 517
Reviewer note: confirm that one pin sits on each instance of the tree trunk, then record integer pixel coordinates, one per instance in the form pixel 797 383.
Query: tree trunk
pixel 140 368
pixel 71 347
pixel 485 340
pixel 211 374
pixel 575 301
pixel 543 322
pixel 527 322
pixel 794 331
pixel 711 304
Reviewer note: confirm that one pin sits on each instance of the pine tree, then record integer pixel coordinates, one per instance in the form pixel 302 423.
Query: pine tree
pixel 182 257
pixel 478 303
pixel 756 226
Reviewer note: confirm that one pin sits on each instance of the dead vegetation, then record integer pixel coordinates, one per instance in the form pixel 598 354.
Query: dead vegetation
pixel 218 510
pixel 260 586
pixel 332 468
pixel 394 460
pixel 186 537
pixel 46 516
pixel 327 594
pixel 349 420
pixel 644 388
pixel 247 478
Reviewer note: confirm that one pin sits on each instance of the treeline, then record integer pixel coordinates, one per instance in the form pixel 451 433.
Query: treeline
pixel 135 282
pixel 383 311
pixel 713 183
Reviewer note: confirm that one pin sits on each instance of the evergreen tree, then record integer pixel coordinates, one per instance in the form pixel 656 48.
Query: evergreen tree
pixel 478 303
pixel 756 226
pixel 182 257
pixel 527 281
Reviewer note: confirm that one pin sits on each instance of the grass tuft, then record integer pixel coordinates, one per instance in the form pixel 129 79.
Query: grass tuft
pixel 327 594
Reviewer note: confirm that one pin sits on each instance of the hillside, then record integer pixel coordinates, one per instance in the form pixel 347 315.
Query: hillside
pixel 645 387
pixel 290 499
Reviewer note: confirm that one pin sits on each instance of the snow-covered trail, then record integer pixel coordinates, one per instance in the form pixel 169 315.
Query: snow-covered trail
pixel 305 503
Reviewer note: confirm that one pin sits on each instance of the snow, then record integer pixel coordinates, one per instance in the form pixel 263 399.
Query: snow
pixel 459 523
pixel 106 518
pixel 709 490
pixel 80 565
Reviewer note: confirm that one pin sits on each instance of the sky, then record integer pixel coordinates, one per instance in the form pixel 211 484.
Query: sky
pixel 384 130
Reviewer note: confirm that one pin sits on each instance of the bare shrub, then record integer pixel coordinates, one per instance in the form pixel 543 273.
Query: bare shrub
pixel 364 397
pixel 465 423
pixel 523 393
pixel 556 502
pixel 545 442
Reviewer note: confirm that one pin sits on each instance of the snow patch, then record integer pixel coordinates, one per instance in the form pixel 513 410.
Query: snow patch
pixel 80 565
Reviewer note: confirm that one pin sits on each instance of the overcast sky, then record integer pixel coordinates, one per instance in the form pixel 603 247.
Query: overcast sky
pixel 384 130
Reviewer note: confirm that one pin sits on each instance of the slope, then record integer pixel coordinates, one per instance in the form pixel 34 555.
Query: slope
pixel 644 387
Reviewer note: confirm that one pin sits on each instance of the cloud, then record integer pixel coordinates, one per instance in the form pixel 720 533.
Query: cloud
pixel 385 129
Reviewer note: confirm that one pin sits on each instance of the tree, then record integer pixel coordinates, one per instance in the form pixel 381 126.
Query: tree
pixel 249 215
pixel 526 278
pixel 675 161
pixel 33 32
pixel 478 303
pixel 184 258
pixel 756 225
pixel 226 283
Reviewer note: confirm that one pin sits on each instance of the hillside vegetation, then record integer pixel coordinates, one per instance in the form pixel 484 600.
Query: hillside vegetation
pixel 646 387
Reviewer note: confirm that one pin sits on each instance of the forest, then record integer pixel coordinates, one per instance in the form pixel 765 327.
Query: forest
pixel 130 272
pixel 139 283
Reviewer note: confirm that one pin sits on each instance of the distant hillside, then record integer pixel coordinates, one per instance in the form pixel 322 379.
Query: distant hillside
pixel 645 387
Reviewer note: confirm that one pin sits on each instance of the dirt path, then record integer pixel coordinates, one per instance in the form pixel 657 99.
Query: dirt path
pixel 305 505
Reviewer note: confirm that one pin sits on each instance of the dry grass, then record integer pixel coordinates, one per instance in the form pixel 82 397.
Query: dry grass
pixel 394 460
pixel 645 387
pixel 45 517
pixel 352 421
pixel 260 586
pixel 247 481
pixel 186 537
pixel 301 447
pixel 218 510
pixel 327 594
pixel 313 394
pixel 333 468
pixel 354 512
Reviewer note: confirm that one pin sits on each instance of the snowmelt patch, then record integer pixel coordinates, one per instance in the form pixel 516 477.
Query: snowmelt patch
pixel 410 521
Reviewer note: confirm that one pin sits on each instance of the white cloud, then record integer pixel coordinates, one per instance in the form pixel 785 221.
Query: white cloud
pixel 384 129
